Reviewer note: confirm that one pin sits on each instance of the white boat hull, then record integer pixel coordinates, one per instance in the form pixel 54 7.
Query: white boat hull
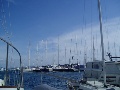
pixel 27 70
pixel 2 83
pixel 91 85
pixel 3 88
pixel 94 70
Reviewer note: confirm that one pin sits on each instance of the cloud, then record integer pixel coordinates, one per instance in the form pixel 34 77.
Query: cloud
pixel 84 42
pixel 76 43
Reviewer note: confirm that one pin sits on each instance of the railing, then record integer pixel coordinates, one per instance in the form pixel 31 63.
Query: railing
pixel 21 71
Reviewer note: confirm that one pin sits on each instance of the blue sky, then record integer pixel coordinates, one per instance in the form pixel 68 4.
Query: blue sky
pixel 36 20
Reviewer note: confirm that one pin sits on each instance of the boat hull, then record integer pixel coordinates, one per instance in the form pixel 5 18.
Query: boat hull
pixel 65 70
pixel 10 88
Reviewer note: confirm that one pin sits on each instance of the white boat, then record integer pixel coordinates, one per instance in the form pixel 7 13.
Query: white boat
pixel 4 84
pixel 27 70
pixel 94 70
pixel 2 69
pixel 89 83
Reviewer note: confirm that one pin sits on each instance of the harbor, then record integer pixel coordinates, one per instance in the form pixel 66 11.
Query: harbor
pixel 59 45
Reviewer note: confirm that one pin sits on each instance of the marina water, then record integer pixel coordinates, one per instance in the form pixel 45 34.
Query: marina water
pixel 32 79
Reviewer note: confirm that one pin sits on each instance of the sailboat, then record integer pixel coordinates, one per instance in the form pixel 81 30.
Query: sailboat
pixel 4 84
pixel 43 68
pixel 92 83
pixel 28 69
pixel 94 69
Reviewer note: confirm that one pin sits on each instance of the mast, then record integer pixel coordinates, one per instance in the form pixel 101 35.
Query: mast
pixel 85 53
pixel 29 55
pixel 6 73
pixel 58 50
pixel 76 49
pixel 119 50
pixel 71 57
pixel 100 19
pixel 93 50
pixel 115 50
pixel 65 53
pixel 37 53
pixel 46 50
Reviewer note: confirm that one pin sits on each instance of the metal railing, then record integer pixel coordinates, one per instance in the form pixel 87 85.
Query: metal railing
pixel 21 71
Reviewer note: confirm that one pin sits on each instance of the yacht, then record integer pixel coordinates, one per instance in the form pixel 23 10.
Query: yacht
pixel 65 68
pixel 93 83
pixel 2 69
pixel 93 77
pixel 94 70
pixel 27 70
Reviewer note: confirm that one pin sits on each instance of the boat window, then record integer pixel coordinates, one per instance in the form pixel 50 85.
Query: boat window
pixel 118 67
pixel 96 66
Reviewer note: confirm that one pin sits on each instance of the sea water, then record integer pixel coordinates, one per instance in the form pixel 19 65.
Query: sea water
pixel 55 79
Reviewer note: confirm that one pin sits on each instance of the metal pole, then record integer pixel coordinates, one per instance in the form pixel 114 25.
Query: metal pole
pixel 100 19
pixel 58 50
pixel 21 69
pixel 6 73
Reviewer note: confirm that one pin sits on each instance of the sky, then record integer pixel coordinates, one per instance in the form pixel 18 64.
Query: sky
pixel 42 25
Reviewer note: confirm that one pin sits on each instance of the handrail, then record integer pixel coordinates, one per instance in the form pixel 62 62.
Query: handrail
pixel 21 75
